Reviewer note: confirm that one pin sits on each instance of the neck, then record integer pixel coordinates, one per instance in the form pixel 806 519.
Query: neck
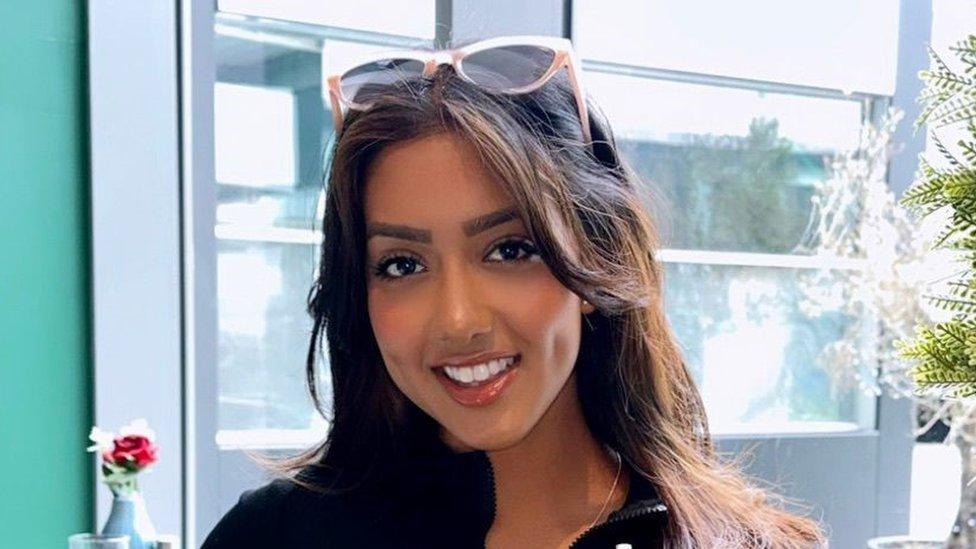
pixel 559 470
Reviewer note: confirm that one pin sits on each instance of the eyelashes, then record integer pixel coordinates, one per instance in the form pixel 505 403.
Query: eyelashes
pixel 408 261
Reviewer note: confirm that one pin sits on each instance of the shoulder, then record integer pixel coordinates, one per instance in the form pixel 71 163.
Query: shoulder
pixel 282 513
pixel 252 517
pixel 261 515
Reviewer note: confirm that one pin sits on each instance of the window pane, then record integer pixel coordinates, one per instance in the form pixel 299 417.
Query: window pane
pixel 755 355
pixel 835 44
pixel 401 17
pixel 733 169
pixel 254 128
pixel 263 334
pixel 272 127
pixel 732 172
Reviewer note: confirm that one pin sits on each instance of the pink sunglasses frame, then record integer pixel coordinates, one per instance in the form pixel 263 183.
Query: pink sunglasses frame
pixel 565 56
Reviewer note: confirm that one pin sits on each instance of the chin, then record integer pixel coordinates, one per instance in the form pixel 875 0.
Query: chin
pixel 487 441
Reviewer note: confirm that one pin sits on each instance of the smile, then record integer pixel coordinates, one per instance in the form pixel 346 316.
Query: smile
pixel 477 374
pixel 479 384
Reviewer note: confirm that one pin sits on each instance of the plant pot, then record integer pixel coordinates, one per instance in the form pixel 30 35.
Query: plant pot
pixel 963 533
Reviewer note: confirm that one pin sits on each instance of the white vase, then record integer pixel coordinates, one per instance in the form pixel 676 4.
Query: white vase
pixel 963 533
pixel 129 516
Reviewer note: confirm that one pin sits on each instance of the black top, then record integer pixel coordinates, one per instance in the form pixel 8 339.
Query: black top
pixel 442 500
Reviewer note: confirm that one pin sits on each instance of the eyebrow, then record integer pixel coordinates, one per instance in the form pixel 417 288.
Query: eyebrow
pixel 471 227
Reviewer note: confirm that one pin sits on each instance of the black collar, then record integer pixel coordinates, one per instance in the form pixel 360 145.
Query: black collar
pixel 434 493
pixel 471 473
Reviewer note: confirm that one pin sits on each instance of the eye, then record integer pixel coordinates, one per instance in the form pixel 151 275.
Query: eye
pixel 401 266
pixel 404 263
pixel 511 247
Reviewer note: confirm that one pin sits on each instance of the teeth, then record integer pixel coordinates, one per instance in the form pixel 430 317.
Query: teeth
pixel 481 372
pixel 478 372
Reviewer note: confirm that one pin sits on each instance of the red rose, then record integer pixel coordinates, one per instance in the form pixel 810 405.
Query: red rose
pixel 134 451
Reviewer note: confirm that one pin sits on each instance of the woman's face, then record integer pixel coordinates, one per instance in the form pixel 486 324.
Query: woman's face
pixel 455 290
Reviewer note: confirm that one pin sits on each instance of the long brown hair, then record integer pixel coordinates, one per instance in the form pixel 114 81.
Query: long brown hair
pixel 586 212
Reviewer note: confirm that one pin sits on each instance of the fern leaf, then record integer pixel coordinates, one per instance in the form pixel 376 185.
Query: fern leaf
pixel 944 236
pixel 948 81
pixel 953 161
pixel 928 186
pixel 966 51
pixel 953 304
pixel 937 62
pixel 962 290
pixel 969 149
pixel 960 190
pixel 944 379
pixel 957 109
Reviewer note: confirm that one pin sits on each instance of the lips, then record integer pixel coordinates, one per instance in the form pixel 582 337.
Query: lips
pixel 483 394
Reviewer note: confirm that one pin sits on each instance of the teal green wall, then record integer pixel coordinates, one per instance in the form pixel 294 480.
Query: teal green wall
pixel 45 364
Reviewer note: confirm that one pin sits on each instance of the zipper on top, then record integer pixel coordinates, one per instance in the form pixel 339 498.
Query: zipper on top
pixel 494 499
pixel 656 506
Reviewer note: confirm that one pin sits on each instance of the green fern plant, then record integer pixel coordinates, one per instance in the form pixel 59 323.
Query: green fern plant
pixel 944 355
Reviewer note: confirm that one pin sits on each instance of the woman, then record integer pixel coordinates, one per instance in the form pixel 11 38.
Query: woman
pixel 503 373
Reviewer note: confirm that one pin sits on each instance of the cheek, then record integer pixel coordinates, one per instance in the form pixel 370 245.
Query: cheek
pixel 545 316
pixel 397 331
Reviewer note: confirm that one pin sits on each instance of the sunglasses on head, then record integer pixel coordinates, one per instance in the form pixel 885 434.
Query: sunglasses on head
pixel 508 64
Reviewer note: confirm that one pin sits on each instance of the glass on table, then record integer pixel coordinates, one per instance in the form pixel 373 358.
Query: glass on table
pixel 98 541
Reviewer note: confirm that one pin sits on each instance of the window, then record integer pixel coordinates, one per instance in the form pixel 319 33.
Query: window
pixel 237 94
pixel 271 129
pixel 729 111
pixel 834 44
pixel 731 164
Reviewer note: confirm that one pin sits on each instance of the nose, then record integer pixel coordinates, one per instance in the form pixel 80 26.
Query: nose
pixel 460 314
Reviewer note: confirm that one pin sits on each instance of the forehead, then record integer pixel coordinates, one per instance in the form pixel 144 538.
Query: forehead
pixel 434 178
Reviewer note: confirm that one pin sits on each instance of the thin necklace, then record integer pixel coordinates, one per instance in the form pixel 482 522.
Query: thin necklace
pixel 612 488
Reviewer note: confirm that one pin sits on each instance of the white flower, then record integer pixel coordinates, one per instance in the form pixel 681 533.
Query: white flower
pixel 138 427
pixel 103 440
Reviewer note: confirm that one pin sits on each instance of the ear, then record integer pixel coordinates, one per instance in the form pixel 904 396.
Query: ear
pixel 586 307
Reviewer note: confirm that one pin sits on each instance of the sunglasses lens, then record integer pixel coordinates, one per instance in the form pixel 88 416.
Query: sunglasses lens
pixel 507 67
pixel 363 83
